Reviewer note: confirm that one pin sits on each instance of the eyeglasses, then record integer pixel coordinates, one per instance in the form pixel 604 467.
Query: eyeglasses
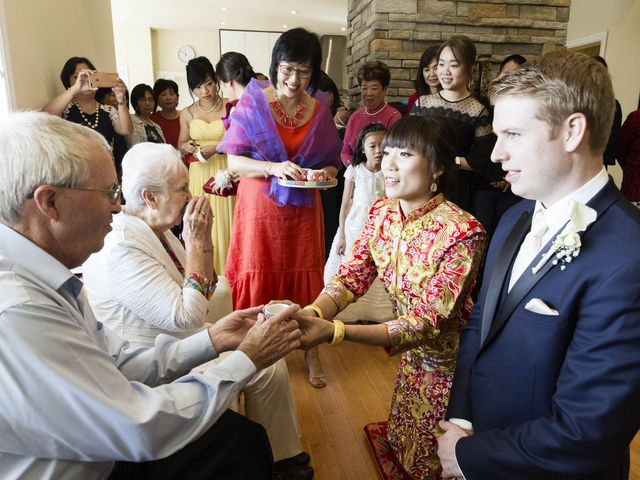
pixel 115 193
pixel 288 70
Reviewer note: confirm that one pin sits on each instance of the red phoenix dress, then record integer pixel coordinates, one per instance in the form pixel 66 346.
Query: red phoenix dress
pixel 427 261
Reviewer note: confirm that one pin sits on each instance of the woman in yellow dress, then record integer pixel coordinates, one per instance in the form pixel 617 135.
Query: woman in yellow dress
pixel 201 129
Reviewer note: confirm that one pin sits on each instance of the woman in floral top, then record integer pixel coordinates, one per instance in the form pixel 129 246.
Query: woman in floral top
pixel 426 250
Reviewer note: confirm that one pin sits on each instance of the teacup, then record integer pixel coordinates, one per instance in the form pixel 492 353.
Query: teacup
pixel 273 309
pixel 315 175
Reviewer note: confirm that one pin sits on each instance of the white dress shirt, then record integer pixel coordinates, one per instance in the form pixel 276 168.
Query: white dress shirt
pixel 74 397
pixel 555 217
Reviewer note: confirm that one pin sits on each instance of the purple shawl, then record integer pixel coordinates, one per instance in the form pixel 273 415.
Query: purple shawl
pixel 253 133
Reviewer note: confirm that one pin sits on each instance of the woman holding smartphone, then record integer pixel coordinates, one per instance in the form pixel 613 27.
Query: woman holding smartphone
pixel 78 102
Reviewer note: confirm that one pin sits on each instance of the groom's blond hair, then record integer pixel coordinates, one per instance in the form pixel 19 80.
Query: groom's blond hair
pixel 563 82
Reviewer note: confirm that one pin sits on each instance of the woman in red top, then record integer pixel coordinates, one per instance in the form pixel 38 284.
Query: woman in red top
pixel 168 117
pixel 277 130
pixel 629 157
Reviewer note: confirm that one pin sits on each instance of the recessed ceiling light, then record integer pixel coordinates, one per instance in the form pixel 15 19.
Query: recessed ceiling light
pixel 224 9
pixel 285 26
pixel 223 23
pixel 293 12
pixel 343 28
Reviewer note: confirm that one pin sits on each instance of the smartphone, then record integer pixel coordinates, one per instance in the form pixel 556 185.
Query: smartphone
pixel 103 79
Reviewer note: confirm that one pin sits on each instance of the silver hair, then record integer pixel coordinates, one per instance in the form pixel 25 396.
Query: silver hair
pixel 40 149
pixel 148 166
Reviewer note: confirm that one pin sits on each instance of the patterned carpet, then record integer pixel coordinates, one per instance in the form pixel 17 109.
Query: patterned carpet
pixel 385 459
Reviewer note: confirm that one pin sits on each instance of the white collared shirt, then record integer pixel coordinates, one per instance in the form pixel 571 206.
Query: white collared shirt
pixel 558 214
pixel 74 397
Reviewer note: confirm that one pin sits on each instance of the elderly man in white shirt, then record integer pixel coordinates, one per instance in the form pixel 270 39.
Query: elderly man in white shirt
pixel 75 399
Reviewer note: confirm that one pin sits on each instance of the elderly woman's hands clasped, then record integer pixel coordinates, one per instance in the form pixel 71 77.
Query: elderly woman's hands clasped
pixel 197 223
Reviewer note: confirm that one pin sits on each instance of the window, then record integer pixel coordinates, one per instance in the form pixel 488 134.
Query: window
pixel 5 91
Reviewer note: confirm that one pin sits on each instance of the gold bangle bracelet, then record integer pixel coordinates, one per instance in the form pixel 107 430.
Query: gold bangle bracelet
pixel 338 333
pixel 316 309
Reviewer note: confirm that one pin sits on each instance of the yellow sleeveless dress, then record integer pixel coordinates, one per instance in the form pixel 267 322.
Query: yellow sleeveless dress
pixel 211 133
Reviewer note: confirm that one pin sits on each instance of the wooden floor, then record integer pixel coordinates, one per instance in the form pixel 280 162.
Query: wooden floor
pixel 361 380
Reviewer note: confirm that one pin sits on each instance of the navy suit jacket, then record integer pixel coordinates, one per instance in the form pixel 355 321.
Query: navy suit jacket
pixel 554 397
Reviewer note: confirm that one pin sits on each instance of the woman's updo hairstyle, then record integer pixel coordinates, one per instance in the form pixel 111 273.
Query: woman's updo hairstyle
pixel 234 66
pixel 198 69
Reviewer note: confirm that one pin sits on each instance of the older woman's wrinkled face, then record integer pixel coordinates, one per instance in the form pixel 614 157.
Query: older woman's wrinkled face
pixel 372 93
pixel 172 202
pixel 146 104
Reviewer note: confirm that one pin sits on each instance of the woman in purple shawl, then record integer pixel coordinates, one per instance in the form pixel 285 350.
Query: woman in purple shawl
pixel 277 131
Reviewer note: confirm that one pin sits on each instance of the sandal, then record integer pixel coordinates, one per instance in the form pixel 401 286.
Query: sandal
pixel 317 377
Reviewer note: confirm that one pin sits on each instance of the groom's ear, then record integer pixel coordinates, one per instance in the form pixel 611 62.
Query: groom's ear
pixel 574 131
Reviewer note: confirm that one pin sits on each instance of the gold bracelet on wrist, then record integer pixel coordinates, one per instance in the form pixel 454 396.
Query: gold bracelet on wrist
pixel 338 333
pixel 316 309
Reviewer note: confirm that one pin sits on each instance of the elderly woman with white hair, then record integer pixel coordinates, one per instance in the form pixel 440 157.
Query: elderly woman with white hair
pixel 144 282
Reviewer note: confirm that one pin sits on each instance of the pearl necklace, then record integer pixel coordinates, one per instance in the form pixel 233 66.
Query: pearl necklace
pixel 85 121
pixel 384 104
pixel 288 120
pixel 206 111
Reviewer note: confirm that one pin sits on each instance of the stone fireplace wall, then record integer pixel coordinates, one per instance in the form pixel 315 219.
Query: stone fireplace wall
pixel 398 31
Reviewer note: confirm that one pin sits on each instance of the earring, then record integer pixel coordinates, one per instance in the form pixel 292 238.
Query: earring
pixel 434 184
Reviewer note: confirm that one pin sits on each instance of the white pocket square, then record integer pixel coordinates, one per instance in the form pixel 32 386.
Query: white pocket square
pixel 536 305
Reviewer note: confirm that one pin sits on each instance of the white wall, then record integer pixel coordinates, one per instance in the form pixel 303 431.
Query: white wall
pixel 165 45
pixel 42 34
pixel 620 18
pixel 133 52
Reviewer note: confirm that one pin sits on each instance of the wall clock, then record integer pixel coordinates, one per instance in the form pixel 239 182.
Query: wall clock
pixel 186 53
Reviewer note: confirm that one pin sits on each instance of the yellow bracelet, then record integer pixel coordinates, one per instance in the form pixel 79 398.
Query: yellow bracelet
pixel 316 309
pixel 338 333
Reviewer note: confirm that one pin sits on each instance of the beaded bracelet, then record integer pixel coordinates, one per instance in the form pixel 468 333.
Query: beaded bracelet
pixel 316 309
pixel 201 284
pixel 338 333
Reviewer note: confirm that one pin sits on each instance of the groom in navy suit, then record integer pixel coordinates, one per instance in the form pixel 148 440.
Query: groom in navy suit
pixel 548 378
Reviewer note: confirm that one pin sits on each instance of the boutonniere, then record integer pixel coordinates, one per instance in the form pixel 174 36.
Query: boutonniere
pixel 566 246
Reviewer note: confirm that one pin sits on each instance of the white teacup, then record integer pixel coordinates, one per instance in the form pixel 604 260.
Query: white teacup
pixel 273 309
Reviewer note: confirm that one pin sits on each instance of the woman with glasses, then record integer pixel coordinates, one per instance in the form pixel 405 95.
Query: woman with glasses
pixel 144 129
pixel 278 130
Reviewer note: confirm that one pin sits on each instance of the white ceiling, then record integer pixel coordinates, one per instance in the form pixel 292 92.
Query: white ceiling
pixel 321 16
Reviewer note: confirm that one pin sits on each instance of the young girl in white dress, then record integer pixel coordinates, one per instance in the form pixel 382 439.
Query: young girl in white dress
pixel 363 185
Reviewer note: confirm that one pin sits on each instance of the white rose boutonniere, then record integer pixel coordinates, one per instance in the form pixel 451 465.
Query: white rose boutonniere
pixel 566 246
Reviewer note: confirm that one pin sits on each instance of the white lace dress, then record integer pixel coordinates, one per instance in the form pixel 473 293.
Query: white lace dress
pixel 368 187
